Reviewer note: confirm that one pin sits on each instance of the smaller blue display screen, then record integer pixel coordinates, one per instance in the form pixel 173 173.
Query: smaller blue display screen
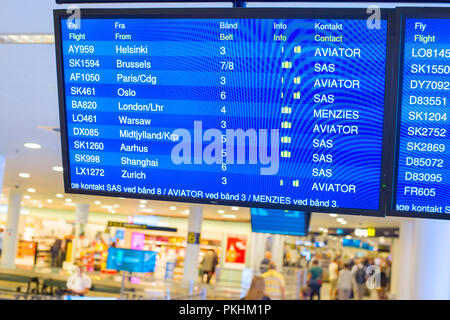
pixel 280 221
pixel 356 243
pixel 131 260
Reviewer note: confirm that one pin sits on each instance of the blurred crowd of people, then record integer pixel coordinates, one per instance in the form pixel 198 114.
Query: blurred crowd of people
pixel 352 278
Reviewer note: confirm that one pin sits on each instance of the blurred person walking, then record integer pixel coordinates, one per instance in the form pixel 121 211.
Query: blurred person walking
pixel 257 290
pixel 1 240
pixel 214 265
pixel 274 282
pixel 206 266
pixel 360 278
pixel 55 251
pixel 344 283
pixel 315 279
pixel 383 283
pixel 264 265
pixel 333 271
pixel 79 283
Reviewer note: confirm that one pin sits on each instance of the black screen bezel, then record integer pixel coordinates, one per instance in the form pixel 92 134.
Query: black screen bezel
pixel 401 14
pixel 256 13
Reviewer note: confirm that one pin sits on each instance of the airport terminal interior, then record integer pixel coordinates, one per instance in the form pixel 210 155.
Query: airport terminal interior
pixel 67 232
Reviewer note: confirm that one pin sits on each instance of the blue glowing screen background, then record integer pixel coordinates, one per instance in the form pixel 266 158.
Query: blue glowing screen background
pixel 131 260
pixel 273 221
pixel 263 112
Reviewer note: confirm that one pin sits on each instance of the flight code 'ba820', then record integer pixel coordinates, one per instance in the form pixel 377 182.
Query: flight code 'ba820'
pixel 90 105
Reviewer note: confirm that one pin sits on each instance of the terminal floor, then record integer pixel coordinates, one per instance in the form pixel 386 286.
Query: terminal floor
pixel 156 289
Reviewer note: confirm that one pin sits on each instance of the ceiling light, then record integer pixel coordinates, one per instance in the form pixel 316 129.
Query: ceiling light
pixel 121 198
pixel 24 175
pixel 32 145
pixel 113 211
pixel 142 206
pixel 49 200
pixel 58 169
pixel 27 197
pixel 229 216
pixel 186 212
pixel 146 210
pixel 235 208
pixel 220 211
pixel 97 203
pixel 116 206
pixel 40 205
pixel 27 38
pixel 31 190
pixel 344 222
pixel 68 200
pixel 333 215
pixel 340 219
pixel 143 201
pixel 320 229
pixel 173 208
pixel 59 195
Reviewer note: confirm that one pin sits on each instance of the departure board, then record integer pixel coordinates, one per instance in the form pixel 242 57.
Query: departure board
pixel 423 171
pixel 225 106
pixel 273 221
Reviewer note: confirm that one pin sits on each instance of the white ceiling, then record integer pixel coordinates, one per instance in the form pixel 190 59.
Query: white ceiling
pixel 28 102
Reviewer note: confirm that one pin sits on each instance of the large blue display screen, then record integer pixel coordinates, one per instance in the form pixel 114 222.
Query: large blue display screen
pixel 423 176
pixel 280 221
pixel 282 113
pixel 131 260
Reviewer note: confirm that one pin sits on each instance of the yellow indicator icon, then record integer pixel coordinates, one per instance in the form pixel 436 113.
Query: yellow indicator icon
pixel 298 49
pixel 286 64
pixel 286 124
pixel 286 110
pixel 285 154
pixel 286 139
pixel 295 183
pixel 282 95
pixel 297 95
pixel 281 182
pixel 297 80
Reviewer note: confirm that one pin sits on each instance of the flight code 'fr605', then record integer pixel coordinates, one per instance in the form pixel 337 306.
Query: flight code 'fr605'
pixel 421 192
